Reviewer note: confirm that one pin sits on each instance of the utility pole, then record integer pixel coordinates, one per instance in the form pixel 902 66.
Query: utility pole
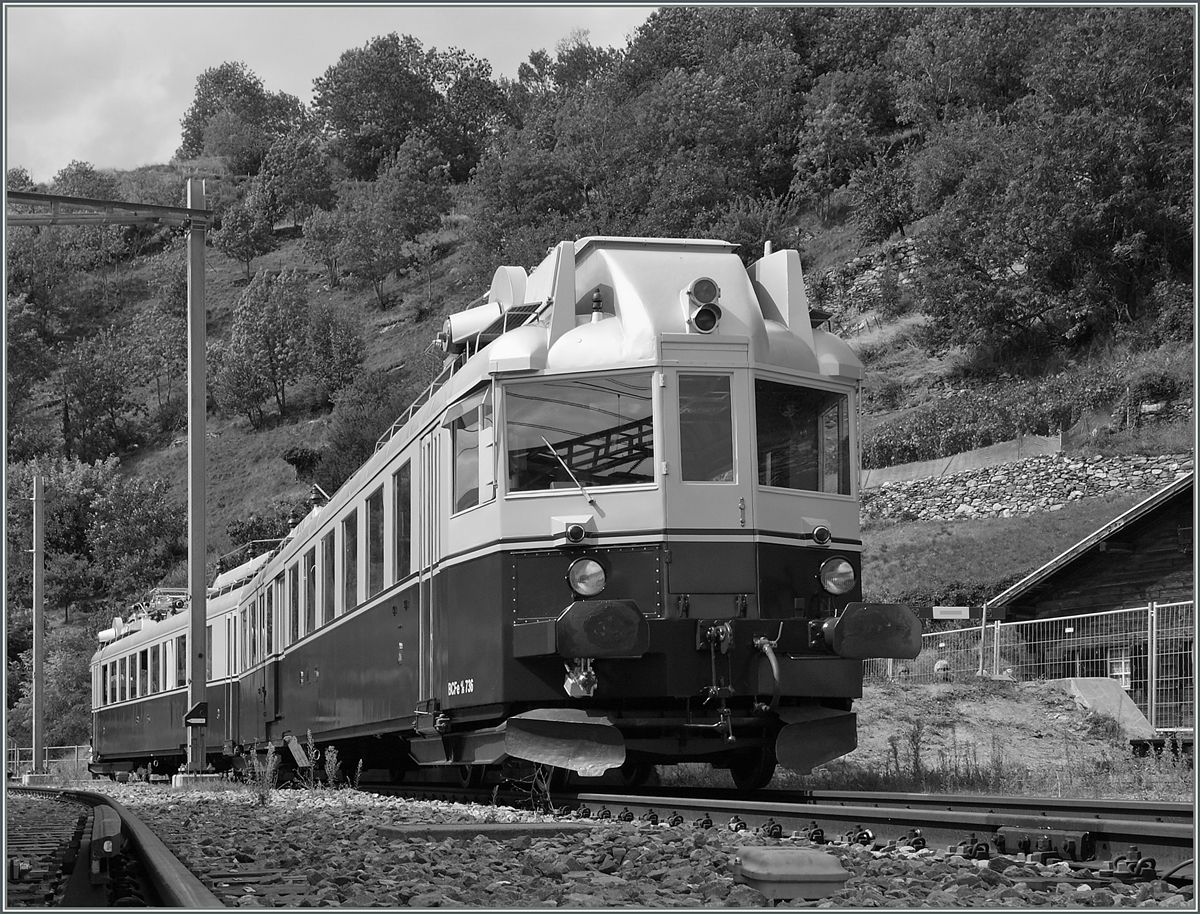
pixel 197 678
pixel 39 623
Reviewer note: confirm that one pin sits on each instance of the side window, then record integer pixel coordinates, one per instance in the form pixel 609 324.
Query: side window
pixel 328 557
pixel 705 428
pixel 133 676
pixel 403 518
pixel 310 596
pixel 471 444
pixel 375 542
pixel 243 639
pixel 350 561
pixel 144 672
pixel 122 691
pixel 208 660
pixel 155 669
pixel 104 684
pixel 181 660
pixel 294 596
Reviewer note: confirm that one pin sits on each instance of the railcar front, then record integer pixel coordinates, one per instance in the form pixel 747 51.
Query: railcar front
pixel 670 451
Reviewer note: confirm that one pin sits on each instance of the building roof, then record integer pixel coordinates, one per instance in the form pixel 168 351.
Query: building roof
pixel 1106 539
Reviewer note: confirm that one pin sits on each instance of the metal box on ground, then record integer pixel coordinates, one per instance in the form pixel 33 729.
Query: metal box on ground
pixel 789 872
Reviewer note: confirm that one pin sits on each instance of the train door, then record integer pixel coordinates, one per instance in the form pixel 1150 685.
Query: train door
pixel 429 552
pixel 709 479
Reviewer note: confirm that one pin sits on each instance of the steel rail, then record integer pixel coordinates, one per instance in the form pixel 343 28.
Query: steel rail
pixel 1170 842
pixel 1165 811
pixel 177 886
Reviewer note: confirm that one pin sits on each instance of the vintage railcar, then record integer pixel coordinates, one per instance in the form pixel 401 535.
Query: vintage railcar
pixel 621 528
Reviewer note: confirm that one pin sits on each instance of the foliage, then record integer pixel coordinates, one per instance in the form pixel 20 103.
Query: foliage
pixel 295 178
pixel 362 412
pixel 67 675
pixel 29 359
pixel 245 233
pixel 334 350
pixel 163 351
pixel 99 410
pixel 382 221
pixel 322 240
pixel 258 533
pixel 234 116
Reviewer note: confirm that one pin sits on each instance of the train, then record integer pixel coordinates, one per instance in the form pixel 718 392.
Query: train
pixel 620 529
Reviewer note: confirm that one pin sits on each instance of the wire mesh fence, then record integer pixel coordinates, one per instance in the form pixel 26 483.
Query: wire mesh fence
pixel 68 761
pixel 1150 650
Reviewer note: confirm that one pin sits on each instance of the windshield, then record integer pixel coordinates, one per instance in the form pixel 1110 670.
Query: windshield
pixel 599 430
pixel 803 438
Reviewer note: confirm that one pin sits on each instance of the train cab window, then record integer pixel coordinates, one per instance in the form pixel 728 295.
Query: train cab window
pixel 402 489
pixel 328 554
pixel 350 561
pixel 181 660
pixel 803 438
pixel 144 672
pixel 705 428
pixel 155 669
pixel 586 431
pixel 375 542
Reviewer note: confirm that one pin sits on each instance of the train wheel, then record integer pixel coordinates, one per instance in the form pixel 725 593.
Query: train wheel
pixel 471 775
pixel 754 769
pixel 635 775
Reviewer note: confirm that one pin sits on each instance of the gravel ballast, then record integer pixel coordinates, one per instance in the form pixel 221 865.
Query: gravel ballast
pixel 339 848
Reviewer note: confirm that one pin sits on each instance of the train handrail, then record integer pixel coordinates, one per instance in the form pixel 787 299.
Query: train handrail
pixel 177 886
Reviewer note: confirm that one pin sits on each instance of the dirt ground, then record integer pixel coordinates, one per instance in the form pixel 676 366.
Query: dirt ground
pixel 1025 733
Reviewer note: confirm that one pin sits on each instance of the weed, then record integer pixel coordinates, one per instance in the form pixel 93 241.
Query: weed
pixel 264 774
pixel 333 766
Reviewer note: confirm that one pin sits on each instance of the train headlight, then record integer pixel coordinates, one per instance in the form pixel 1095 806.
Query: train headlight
pixel 703 312
pixel 586 577
pixel 837 575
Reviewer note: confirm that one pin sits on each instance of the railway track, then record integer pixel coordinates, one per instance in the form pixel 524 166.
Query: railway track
pixel 77 849
pixel 1124 838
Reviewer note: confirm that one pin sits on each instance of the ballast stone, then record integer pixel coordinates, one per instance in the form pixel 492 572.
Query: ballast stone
pixel 789 872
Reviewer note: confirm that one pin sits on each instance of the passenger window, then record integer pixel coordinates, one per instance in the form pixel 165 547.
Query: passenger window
pixel 310 595
pixel 181 660
pixel 208 660
pixel 375 542
pixel 122 692
pixel 144 673
pixel 403 494
pixel 104 684
pixel 328 554
pixel 705 428
pixel 155 669
pixel 350 560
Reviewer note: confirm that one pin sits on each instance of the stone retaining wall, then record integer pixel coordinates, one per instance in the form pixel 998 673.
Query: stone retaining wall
pixel 1043 483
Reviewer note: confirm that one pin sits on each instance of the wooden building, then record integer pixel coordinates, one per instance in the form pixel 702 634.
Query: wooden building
pixel 1143 556
pixel 1141 562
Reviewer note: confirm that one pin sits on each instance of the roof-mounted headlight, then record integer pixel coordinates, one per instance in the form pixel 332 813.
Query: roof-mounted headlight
pixel 703 311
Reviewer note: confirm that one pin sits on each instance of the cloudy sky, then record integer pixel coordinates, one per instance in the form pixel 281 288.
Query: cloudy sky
pixel 108 84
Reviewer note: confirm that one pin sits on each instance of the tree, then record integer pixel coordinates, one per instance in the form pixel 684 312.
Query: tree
pixel 238 382
pixel 373 99
pixel 334 348
pixel 382 220
pixel 29 359
pixel 163 351
pixel 252 115
pixel 295 178
pixel 322 240
pixel 245 233
pixel 99 408
pixel 270 326
pixel 881 193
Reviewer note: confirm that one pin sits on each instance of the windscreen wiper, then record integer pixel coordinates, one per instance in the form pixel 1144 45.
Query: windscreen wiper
pixel 563 464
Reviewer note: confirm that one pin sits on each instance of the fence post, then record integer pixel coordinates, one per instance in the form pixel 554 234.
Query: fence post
pixel 1152 665
pixel 996 648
